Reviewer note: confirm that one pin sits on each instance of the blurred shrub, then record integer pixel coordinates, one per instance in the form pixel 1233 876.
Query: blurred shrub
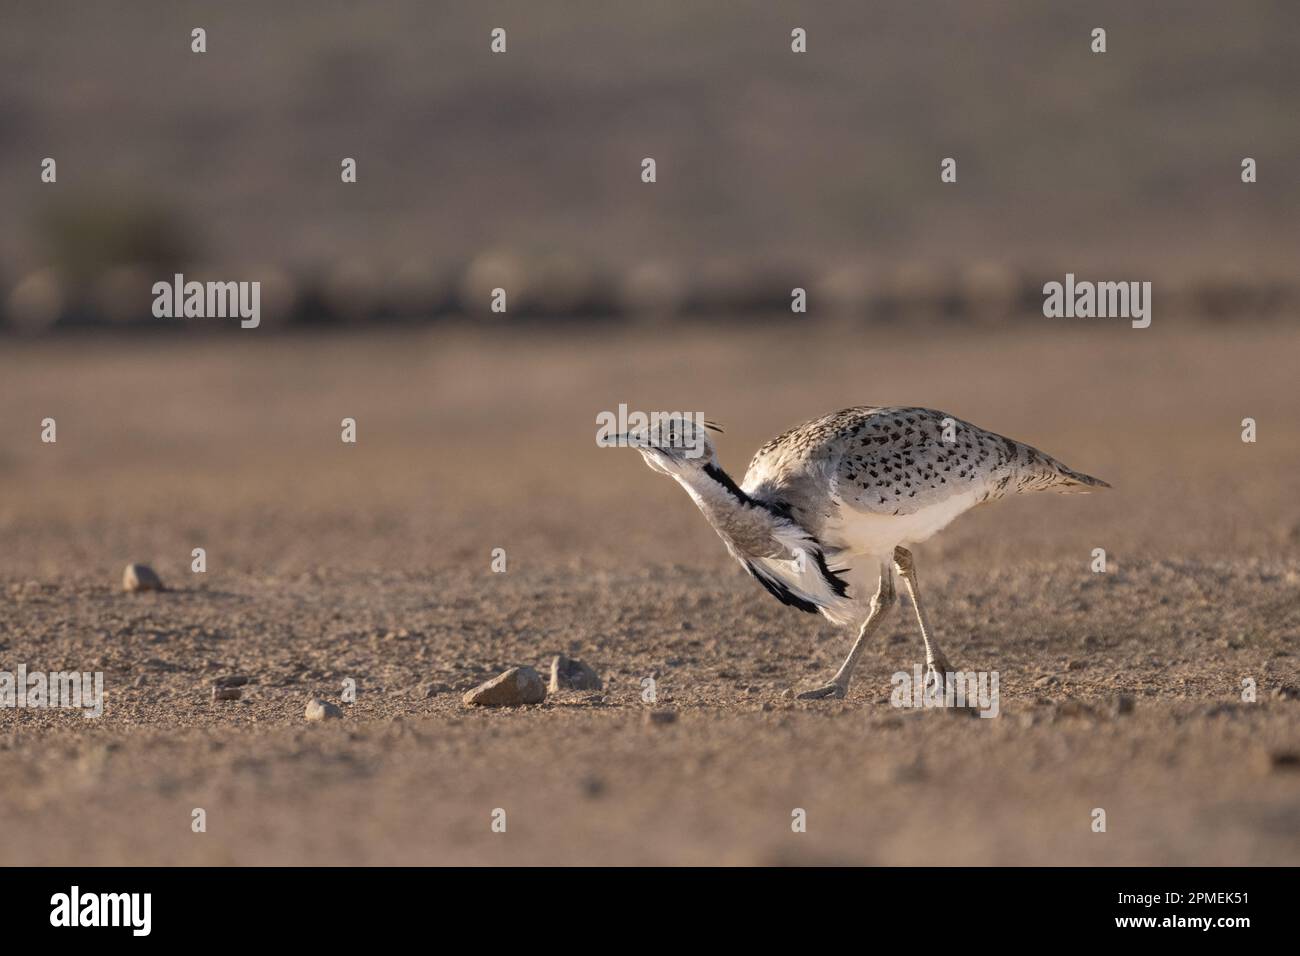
pixel 87 236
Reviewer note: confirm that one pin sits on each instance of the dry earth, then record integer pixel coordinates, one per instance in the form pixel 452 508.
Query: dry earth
pixel 371 562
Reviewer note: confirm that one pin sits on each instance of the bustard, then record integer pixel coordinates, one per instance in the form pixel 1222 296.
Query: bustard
pixel 825 511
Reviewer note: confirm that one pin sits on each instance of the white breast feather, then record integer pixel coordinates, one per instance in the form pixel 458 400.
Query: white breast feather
pixel 871 533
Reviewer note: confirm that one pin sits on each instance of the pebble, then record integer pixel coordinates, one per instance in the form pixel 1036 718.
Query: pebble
pixel 225 693
pixel 140 577
pixel 660 717
pixel 231 680
pixel 38 301
pixel 318 709
pixel 1073 708
pixel 1286 760
pixel 1122 704
pixel 515 687
pixel 569 674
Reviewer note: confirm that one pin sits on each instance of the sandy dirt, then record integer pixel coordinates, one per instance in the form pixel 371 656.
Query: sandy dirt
pixel 371 562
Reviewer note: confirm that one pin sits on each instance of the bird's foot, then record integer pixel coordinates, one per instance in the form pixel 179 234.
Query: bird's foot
pixel 937 670
pixel 832 690
pixel 939 673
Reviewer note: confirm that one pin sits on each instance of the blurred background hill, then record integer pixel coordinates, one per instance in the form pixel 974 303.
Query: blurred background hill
pixel 771 165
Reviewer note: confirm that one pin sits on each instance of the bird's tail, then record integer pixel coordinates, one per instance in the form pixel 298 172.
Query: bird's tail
pixel 1040 472
pixel 1051 475
pixel 1069 478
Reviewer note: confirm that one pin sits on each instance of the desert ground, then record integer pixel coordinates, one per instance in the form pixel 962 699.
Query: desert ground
pixel 372 562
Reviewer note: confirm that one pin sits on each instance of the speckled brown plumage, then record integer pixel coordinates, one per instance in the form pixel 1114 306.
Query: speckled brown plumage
pixel 895 461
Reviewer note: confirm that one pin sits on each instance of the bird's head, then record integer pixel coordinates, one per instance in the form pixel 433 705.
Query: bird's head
pixel 674 445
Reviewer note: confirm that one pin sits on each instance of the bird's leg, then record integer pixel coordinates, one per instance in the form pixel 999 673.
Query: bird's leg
pixel 935 661
pixel 881 602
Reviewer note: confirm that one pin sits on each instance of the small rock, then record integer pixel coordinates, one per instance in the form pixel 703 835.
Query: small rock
pixel 1284 760
pixel 433 690
pixel 225 693
pixel 231 680
pixel 660 717
pixel 141 577
pixel 318 709
pixel 1073 708
pixel 517 686
pixel 1122 704
pixel 1229 709
pixel 1047 680
pixel 899 771
pixel 572 675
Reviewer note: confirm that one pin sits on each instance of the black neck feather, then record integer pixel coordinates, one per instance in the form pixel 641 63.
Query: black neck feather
pixel 725 480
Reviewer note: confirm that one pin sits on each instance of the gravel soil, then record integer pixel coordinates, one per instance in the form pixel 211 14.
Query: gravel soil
pixel 372 563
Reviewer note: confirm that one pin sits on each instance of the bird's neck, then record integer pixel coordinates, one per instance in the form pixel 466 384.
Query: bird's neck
pixel 748 525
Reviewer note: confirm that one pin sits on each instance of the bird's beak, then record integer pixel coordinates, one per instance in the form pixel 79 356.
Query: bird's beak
pixel 628 441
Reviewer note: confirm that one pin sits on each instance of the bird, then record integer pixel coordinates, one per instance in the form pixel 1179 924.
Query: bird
pixel 827 511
